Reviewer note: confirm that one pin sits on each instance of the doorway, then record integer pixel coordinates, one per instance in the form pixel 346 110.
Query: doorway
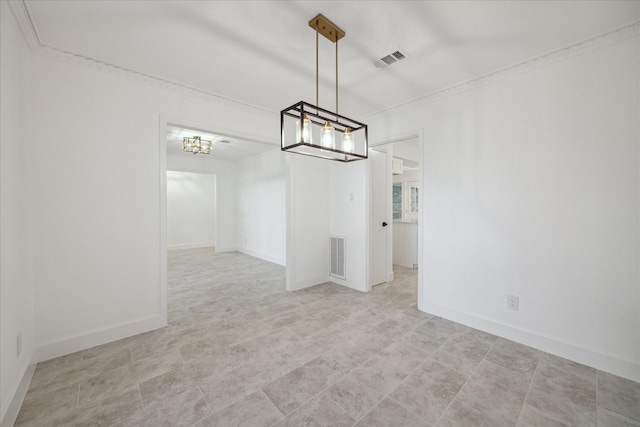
pixel 381 270
pixel 396 175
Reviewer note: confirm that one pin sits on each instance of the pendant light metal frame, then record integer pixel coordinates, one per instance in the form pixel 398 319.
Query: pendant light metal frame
pixel 319 117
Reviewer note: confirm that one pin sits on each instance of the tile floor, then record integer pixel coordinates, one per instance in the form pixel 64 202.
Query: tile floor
pixel 241 351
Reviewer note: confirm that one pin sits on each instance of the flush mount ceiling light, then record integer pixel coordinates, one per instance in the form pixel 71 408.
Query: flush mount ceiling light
pixel 310 130
pixel 196 145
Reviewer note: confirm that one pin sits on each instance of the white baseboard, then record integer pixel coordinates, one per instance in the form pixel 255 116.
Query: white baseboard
pixel 190 246
pixel 592 357
pixel 222 249
pixel 266 257
pixel 18 392
pixel 93 338
pixel 71 345
pixel 307 283
pixel 361 287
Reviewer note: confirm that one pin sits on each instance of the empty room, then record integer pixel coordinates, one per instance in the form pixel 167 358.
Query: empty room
pixel 330 213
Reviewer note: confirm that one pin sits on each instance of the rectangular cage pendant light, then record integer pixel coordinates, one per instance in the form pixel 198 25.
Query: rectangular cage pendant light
pixel 313 131
pixel 305 131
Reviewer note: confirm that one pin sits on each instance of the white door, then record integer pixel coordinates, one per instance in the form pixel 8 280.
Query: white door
pixel 380 226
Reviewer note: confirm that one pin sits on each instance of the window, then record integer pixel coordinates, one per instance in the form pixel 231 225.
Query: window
pixel 412 200
pixel 397 200
pixel 405 200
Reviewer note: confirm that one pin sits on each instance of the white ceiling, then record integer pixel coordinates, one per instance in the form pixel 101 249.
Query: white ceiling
pixel 263 52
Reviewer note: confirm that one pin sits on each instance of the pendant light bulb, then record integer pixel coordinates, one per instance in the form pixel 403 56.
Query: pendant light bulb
pixel 347 140
pixel 303 133
pixel 328 138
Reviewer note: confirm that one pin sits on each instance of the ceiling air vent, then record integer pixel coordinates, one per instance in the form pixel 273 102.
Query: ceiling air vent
pixel 390 59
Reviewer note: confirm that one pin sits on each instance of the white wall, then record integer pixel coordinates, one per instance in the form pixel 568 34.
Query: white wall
pixel 349 218
pixel 261 206
pixel 307 221
pixel 97 209
pixel 226 193
pixel 405 244
pixel 191 210
pixel 405 234
pixel 16 280
pixel 326 198
pixel 531 188
pixel 407 149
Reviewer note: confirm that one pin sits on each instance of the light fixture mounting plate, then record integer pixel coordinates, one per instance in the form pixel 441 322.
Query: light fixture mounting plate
pixel 327 28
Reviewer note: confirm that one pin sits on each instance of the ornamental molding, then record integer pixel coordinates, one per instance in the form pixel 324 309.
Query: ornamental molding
pixel 30 33
pixel 610 37
pixel 27 27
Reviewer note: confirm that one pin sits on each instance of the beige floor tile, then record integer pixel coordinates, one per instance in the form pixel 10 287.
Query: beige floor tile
pixel 319 412
pixel 405 356
pixel 37 409
pixel 225 391
pixel 263 371
pixel 300 351
pixel 463 352
pixel 551 365
pixel 534 417
pixel 390 413
pixel 234 330
pixel 165 386
pixel 618 395
pixel 429 390
pixel 460 415
pixel 438 330
pixel 255 410
pixel 361 389
pixel 258 347
pixel 420 341
pixel 516 357
pixel 114 347
pixel 183 409
pixel 355 350
pixel 106 385
pixel 496 392
pixel 151 367
pixel 397 326
pixel 296 387
pixel 73 370
pixel 105 412
pixel 564 391
pixel 612 419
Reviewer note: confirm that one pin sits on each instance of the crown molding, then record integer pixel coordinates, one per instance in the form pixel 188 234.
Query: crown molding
pixel 30 33
pixel 616 35
pixel 63 55
pixel 25 23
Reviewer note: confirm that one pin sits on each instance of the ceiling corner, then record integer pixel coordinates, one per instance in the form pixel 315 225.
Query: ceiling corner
pixel 27 27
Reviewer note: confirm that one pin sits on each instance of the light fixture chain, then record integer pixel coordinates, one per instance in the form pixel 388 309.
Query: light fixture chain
pixel 336 79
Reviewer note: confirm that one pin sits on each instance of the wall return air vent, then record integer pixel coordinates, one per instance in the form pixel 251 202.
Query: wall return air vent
pixel 391 58
pixel 337 255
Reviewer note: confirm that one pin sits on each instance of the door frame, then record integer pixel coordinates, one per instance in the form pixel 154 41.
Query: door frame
pixel 419 134
pixel 389 250
pixel 163 122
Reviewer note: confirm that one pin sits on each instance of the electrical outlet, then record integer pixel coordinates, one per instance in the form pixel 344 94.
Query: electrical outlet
pixel 513 302
pixel 19 344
